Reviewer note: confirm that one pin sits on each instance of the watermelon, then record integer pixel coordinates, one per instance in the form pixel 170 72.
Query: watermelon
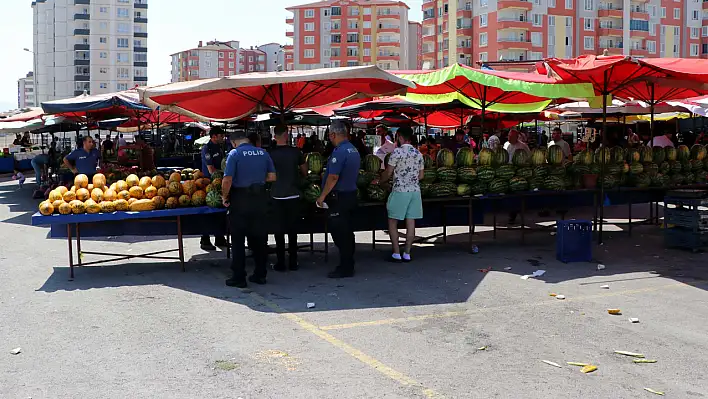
pixel 664 168
pixel 371 163
pixel 364 179
pixel 447 175
pixel 633 155
pixel 445 158
pixel 617 155
pixel 705 163
pixel 463 190
pixel 538 157
pixel 585 157
pixel 311 193
pixel 556 170
pixel 555 155
pixel 554 183
pixel 657 180
pixel 698 152
pixel 579 169
pixel 520 158
pixel 464 157
pixel 658 155
pixel 517 184
pixel 217 175
pixel 690 177
pixel 505 172
pixel 536 183
pixel 525 172
pixel 641 180
pixel 466 175
pixel 213 200
pixel 595 169
pixel 478 187
pixel 651 169
pixel 317 179
pixel 625 168
pixel 376 193
pixel 428 162
pixel 671 153
pixel 315 162
pixel 675 180
pixel 485 174
pixel 500 157
pixel 645 154
pixel 430 174
pixel 499 186
pixel 485 157
pixel 603 155
pixel 540 171
pixel 425 189
pixel 684 154
pixel 609 181
pixel 696 164
pixel 675 167
pixel 568 183
pixel 636 168
pixel 686 166
pixel 443 190
pixel 613 169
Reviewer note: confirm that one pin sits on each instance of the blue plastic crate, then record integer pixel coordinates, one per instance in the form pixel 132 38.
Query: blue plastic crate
pixel 574 241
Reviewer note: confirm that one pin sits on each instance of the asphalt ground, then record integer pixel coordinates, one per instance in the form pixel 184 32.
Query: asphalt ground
pixel 143 329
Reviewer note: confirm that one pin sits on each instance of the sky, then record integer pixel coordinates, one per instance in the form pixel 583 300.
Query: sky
pixel 173 25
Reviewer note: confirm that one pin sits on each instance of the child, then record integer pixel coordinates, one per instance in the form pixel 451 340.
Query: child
pixel 19 177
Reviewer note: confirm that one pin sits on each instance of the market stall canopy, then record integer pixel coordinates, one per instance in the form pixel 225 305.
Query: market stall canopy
pixel 46 123
pixel 618 107
pixel 696 105
pixel 122 103
pixel 496 91
pixel 24 116
pixel 234 97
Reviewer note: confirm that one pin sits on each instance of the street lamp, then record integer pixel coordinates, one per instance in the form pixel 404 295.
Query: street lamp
pixel 35 78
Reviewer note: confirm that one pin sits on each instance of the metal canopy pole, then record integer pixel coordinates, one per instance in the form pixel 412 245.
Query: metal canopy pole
pixel 602 160
pixel 651 121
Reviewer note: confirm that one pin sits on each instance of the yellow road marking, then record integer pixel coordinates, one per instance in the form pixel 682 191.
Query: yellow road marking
pixel 350 350
pixel 445 315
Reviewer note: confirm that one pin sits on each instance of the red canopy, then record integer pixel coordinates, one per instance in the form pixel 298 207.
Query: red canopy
pixel 33 113
pixel 154 117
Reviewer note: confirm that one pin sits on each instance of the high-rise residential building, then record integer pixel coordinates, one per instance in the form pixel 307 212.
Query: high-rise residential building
pixel 275 56
pixel 415 45
pixel 92 46
pixel 333 33
pixel 25 91
pixel 251 60
pixel 467 31
pixel 213 60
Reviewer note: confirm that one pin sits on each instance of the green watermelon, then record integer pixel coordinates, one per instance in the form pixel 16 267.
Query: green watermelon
pixel 500 157
pixel 671 153
pixel 636 168
pixel 536 183
pixel 603 155
pixel 525 172
pixel 609 181
pixel 310 194
pixel 315 162
pixel 485 174
pixel 445 158
pixel 645 154
pixel 690 177
pixel 684 154
pixel 505 172
pixel 658 155
pixel 364 179
pixel 213 199
pixel 664 168
pixel 485 157
pixel 585 157
pixel 675 167
pixel 478 187
pixel 617 155
pixel 371 163
pixel 376 193
pixel 463 190
pixel 641 180
pixel 464 157
pixel 651 169
pixel 217 175
pixel 466 175
pixel 538 157
pixel 676 180
pixel 555 155
pixel 657 180
pixel 580 169
pixel 613 169
pixel 428 162
pixel 517 184
pixel 686 166
pixel 556 170
pixel 633 155
pixel 425 189
pixel 499 186
pixel 430 174
pixel 443 190
pixel 698 152
pixel 447 175
pixel 595 169
pixel 313 179
pixel 520 158
pixel 554 183
pixel 625 168
pixel 540 171
pixel 696 164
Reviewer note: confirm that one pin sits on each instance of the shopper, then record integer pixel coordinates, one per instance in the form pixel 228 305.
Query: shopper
pixel 84 160
pixel 663 140
pixel 339 192
pixel 121 141
pixel 557 139
pixel 494 142
pixel 248 168
pixel 290 166
pixel 39 163
pixel 404 203
pixel 212 155
pixel 387 146
pixel 511 146
pixel 107 147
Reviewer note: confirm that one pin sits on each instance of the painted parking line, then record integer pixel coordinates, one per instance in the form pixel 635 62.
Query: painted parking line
pixel 348 349
pixel 445 315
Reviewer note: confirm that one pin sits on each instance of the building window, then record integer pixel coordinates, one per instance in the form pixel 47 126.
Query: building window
pixel 309 26
pixel 103 85
pixel 309 13
pixel 367 52
pixel 103 10
pixel 537 19
pixel 589 24
pixel 122 12
pixel 103 40
pixel 483 39
pixel 122 57
pixel 537 39
pixel 367 11
pixel 694 50
pixel 103 54
pixel 695 32
pixel 353 24
pixel 327 26
pixel 122 42
pixel 309 40
pixel 589 43
pixel 652 29
pixel 326 52
pixel 250 58
pixel 221 64
pixel 231 56
pixel 367 24
pixel 677 13
pixel 352 52
pixel 231 65
pixel 221 74
pixel 483 57
pixel 103 70
pixel 206 53
pixel 568 22
pixel 309 53
pixel 367 38
pixel 589 6
pixel 482 20
pixel 677 31
pixel 663 12
pixel 122 86
pixel 123 27
pixel 551 20
pixel 551 40
pixel 483 3
pixel 651 46
pixel 568 4
pixel 704 31
pixel 123 73
pixel 551 3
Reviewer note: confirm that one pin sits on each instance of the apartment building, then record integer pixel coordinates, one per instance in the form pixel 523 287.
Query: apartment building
pixel 334 33
pixel 25 91
pixel 252 60
pixel 415 45
pixel 274 56
pixel 213 60
pixel 92 46
pixel 467 31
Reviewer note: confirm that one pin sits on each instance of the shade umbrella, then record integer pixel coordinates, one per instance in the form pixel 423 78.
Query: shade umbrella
pixel 24 116
pixel 122 103
pixel 234 97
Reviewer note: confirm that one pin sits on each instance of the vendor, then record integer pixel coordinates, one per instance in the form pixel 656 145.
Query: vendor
pixel 84 160
pixel 387 145
pixel 212 155
pixel 557 137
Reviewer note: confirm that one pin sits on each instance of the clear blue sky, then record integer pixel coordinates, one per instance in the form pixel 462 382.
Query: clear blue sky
pixel 173 25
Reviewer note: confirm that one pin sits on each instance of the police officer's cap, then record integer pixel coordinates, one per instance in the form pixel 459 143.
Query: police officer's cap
pixel 216 130
pixel 238 135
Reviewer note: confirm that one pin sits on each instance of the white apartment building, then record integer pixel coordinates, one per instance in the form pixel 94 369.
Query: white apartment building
pixel 25 91
pixel 275 56
pixel 93 46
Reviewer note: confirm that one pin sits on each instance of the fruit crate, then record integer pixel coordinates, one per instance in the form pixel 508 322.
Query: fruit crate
pixel 682 217
pixel 680 237
pixel 574 241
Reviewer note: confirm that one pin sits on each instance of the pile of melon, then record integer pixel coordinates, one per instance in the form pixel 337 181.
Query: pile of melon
pixel 132 194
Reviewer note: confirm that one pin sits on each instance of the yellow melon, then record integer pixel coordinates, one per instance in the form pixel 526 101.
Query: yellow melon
pixel 109 195
pixel 92 206
pixel 199 198
pixel 69 196
pixel 99 180
pixel 132 180
pixel 114 187
pixel 124 195
pixel 131 201
pixel 81 181
pixel 97 195
pixel 175 188
pixel 163 192
pixel 175 177
pixel 83 194
pixel 65 208
pixel 121 205
pixel 172 203
pixel 46 208
pixel 121 185
pixel 159 181
pixel 77 207
pixel 136 192
pixel 90 187
pixel 159 202
pixel 145 182
pixel 57 203
pixel 107 207
pixel 150 192
pixel 55 195
pixel 73 189
pixel 189 187
pixel 197 174
pixel 62 190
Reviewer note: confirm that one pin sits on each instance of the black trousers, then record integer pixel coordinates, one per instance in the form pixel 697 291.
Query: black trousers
pixel 340 218
pixel 287 215
pixel 248 212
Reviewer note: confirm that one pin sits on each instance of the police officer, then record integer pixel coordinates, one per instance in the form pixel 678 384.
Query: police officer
pixel 248 169
pixel 212 155
pixel 339 191
pixel 85 159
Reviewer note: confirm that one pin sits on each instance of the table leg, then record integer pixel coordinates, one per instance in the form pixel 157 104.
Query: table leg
pixel 594 218
pixel 444 223
pixel 651 212
pixel 656 212
pixel 470 226
pixel 78 242
pixel 326 242
pixel 373 240
pixel 312 241
pixel 523 211
pixel 228 237
pixel 180 243
pixel 630 214
pixel 494 218
pixel 71 252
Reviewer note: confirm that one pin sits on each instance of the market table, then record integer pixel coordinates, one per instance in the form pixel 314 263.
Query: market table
pixel 76 221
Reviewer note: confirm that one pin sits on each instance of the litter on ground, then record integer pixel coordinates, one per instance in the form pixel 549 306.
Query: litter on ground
pixel 606 287
pixel 644 361
pixel 552 363
pixel 577 364
pixel 16 351
pixel 310 305
pixel 633 354
pixel 614 311
pixel 600 266
pixel 653 391
pixel 588 369
pixel 634 320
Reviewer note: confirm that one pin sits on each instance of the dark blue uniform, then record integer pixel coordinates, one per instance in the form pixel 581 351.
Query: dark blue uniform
pixel 85 162
pixel 344 162
pixel 212 154
pixel 248 166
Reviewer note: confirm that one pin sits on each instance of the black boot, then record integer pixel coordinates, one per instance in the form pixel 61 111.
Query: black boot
pixel 206 245
pixel 238 282
pixel 220 241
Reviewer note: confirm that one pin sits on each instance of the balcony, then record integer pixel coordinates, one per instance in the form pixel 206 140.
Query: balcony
pixel 82 61
pixel 82 78
pixel 140 79
pixel 140 20
pixel 141 4
pixel 389 28
pixel 705 5
pixel 82 47
pixel 518 4
pixel 392 15
pixel 82 32
pixel 639 13
pixel 82 2
pixel 140 64
pixel 639 33
pixel 609 10
pixel 612 47
pixel 610 30
pixel 639 52
pixel 290 21
pixel 82 16
pixel 388 42
pixel 511 22
pixel 140 34
pixel 514 43
pixel 388 56
pixel 289 33
pixel 140 49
